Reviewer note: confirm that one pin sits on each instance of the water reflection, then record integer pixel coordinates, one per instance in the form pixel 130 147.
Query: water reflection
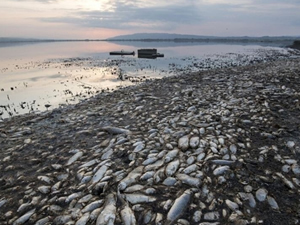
pixel 45 75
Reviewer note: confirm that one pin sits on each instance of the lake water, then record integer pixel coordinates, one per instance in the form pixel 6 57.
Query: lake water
pixel 40 76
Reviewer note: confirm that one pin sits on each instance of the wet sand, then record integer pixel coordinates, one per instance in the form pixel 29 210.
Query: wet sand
pixel 254 108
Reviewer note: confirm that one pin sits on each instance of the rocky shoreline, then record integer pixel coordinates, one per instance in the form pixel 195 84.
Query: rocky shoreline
pixel 214 147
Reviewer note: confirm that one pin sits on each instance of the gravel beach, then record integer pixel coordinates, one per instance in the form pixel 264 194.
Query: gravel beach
pixel 213 147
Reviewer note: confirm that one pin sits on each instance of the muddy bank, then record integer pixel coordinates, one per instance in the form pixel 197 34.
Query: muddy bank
pixel 223 142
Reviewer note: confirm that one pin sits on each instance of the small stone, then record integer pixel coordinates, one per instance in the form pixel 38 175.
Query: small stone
pixel 233 149
pixel 197 216
pixel 211 216
pixel 272 203
pixel 232 205
pixel 169 146
pixel 261 194
pixel 296 169
pixel 290 144
pixel 248 188
pixel 27 141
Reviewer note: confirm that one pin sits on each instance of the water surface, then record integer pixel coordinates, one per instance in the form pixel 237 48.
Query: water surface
pixel 44 75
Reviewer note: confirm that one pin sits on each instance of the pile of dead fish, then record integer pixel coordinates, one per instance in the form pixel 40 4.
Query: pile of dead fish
pixel 217 147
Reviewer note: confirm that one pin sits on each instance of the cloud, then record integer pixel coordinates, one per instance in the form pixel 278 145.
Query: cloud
pixel 125 16
pixel 134 14
pixel 41 1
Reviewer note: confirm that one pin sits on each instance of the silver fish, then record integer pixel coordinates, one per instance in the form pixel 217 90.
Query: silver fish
pixel 115 130
pixel 192 181
pixel 2 202
pixel 139 198
pixel 220 170
pixel 23 219
pixel 90 163
pixel 130 178
pixel 99 174
pixel 178 207
pixel 84 219
pixel 172 168
pixel 73 196
pixel 92 206
pixel 62 220
pixel 23 207
pixel 127 215
pixel 74 158
pixel 85 198
pixel 94 215
pixel 43 221
pixel 44 179
pixel 108 214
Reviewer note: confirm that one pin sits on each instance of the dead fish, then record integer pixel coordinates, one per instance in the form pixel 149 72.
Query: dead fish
pixel 159 219
pixel 130 178
pixel 183 143
pixel 44 189
pixel 179 207
pixel 99 174
pixel 139 198
pixel 94 215
pixel 23 207
pixel 90 163
pixel 44 179
pixel 115 130
pixel 85 198
pixel 2 202
pixel 222 162
pixel 172 168
pixel 73 196
pixel 84 219
pixel 74 158
pixel 23 219
pixel 190 169
pixel 127 215
pixel 62 220
pixel 171 155
pixel 43 221
pixel 194 142
pixel 56 186
pixel 149 161
pixel 147 175
pixel 154 166
pixel 108 214
pixel 85 179
pixel 92 206
pixel 220 170
pixel 139 147
pixel 134 188
pixel 286 181
pixel 192 181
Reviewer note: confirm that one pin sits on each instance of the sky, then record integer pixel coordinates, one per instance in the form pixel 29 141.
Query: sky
pixel 100 19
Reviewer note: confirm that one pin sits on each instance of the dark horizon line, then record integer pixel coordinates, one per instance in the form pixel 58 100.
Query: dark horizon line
pixel 200 38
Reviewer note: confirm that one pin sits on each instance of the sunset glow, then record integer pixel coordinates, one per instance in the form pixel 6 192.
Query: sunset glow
pixel 103 18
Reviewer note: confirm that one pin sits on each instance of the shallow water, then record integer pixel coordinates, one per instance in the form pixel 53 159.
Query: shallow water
pixel 42 76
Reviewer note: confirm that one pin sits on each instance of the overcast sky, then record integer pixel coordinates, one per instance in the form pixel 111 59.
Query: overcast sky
pixel 107 18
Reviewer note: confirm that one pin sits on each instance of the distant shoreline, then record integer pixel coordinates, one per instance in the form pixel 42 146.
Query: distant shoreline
pixel 201 39
pixel 266 41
